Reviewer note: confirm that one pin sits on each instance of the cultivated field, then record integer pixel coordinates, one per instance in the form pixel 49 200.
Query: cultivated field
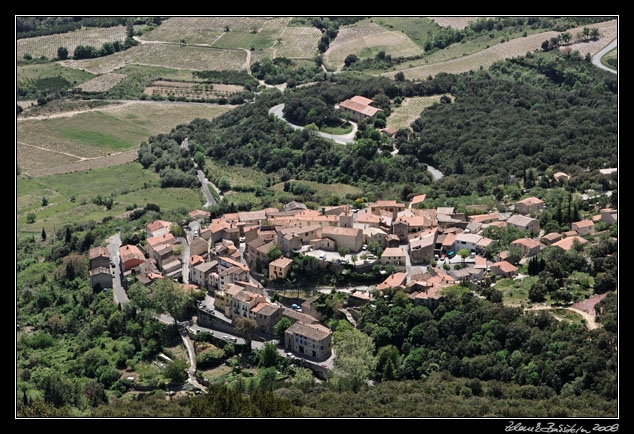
pixel 409 110
pixel 297 42
pixel 454 22
pixel 191 90
pixel 501 51
pixel 102 82
pixel 168 56
pixel 36 72
pixel 608 31
pixel 206 30
pixel 48 45
pixel 99 138
pixel 365 40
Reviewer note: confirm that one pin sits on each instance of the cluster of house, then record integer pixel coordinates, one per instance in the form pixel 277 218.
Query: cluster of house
pixel 407 235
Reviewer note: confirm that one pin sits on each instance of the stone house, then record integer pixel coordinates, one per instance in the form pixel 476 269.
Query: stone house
pixel 524 223
pixel 393 256
pixel 280 268
pixel 312 340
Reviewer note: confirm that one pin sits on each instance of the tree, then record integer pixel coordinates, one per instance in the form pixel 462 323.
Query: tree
pixel 273 254
pixel 62 53
pixel 464 254
pixel 355 362
pixel 303 379
pixel 350 59
pixel 537 292
pixel 245 327
pixel 167 297
pixel 281 327
pixel 268 355
pixel 43 235
pixel 176 371
pixel 343 251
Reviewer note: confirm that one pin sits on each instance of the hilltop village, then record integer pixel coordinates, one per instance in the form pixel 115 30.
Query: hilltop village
pixel 239 261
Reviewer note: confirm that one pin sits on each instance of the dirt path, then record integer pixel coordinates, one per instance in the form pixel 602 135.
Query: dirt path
pixel 590 319
pixel 72 113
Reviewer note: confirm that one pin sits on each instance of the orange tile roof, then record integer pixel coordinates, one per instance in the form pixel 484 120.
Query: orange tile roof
pixel 394 280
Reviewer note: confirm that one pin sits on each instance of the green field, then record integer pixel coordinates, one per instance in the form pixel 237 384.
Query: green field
pixel 84 135
pixel 237 175
pixel 70 196
pixel 338 189
pixel 46 70
pixel 64 140
pixel 418 29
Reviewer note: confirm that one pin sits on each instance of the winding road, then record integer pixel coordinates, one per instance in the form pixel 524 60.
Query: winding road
pixel 343 139
pixel 596 59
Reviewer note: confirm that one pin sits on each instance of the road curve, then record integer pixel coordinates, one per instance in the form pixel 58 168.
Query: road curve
pixel 596 59
pixel 342 139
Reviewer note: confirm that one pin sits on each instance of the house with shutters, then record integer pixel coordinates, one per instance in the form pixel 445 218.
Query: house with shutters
pixel 311 340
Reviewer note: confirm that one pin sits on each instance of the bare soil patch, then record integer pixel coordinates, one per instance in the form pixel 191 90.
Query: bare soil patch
pixel 453 22
pixel 102 83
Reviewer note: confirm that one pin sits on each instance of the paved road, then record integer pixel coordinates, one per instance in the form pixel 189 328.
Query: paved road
pixel 211 201
pixel 342 139
pixel 120 295
pixel 596 59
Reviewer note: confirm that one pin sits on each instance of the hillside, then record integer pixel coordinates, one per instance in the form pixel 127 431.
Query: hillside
pixel 317 217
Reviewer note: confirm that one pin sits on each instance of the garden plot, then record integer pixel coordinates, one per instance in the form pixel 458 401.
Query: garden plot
pixel 191 90
pixel 366 41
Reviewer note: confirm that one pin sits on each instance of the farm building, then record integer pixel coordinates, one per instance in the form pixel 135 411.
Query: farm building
pixel 359 108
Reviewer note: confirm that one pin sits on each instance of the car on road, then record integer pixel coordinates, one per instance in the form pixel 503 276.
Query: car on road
pixel 322 256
